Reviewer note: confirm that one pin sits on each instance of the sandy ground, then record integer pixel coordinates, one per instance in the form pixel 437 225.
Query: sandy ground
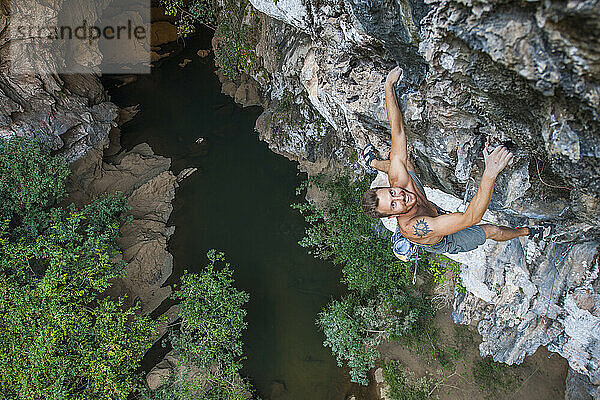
pixel 541 376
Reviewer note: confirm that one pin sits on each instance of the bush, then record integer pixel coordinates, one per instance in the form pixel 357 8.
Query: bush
pixel 403 385
pixel 236 33
pixel 234 49
pixel 340 231
pixel 189 13
pixel 349 338
pixel 354 327
pixel 30 182
pixel 439 265
pixel 209 337
pixel 59 340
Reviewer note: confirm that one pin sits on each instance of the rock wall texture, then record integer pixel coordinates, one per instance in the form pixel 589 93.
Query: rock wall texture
pixel 521 73
pixel 144 178
pixel 70 112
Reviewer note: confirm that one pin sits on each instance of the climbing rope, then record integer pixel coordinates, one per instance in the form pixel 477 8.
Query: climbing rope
pixel 414 279
pixel 466 195
pixel 537 167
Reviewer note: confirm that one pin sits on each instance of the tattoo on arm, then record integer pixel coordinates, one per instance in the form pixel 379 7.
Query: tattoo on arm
pixel 421 228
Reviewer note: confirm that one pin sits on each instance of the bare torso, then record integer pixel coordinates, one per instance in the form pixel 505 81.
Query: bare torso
pixel 422 208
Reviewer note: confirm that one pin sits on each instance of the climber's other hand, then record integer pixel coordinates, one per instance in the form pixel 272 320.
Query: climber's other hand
pixel 496 160
pixel 393 77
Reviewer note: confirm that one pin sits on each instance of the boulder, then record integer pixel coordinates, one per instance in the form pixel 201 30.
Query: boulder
pixel 144 178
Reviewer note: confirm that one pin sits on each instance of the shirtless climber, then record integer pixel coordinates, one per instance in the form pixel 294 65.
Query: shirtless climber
pixel 418 219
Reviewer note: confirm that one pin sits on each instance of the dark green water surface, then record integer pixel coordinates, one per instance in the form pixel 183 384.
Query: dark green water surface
pixel 239 202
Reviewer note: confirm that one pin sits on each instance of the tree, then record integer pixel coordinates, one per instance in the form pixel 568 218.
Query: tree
pixel 341 232
pixel 209 338
pixel 31 181
pixel 355 326
pixel 236 29
pixel 59 337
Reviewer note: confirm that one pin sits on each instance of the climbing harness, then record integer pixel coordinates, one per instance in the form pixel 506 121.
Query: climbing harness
pixel 368 155
pixel 404 249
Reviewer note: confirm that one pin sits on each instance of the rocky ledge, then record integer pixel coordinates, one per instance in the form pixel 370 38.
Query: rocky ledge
pixel 524 74
pixel 145 180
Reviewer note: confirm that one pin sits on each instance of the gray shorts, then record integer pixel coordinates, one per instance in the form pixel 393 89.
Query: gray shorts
pixel 462 241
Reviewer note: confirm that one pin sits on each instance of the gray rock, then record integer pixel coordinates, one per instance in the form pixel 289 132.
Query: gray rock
pixel 71 113
pixel 144 178
pixel 578 387
pixel 475 72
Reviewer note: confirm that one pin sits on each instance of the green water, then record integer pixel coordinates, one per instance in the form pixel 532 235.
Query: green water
pixel 239 202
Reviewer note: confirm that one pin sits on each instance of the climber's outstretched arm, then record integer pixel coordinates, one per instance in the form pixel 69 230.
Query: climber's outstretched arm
pixel 430 228
pixel 398 174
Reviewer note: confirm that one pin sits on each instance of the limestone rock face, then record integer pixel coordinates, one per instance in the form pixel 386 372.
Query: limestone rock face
pixel 69 113
pixel 144 178
pixel 522 74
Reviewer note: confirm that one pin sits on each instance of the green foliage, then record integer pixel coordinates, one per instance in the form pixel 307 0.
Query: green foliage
pixel 403 384
pixel 349 338
pixel 384 305
pixel 236 41
pixel 492 376
pixel 210 336
pixel 213 317
pixel 428 343
pixel 30 182
pixel 340 231
pixel 189 13
pixel 354 327
pixel 58 339
pixel 236 33
pixel 439 265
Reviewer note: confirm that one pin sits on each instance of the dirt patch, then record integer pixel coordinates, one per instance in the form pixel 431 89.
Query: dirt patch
pixel 449 357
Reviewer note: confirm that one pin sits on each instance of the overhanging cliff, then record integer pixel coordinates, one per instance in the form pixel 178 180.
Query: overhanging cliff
pixel 523 74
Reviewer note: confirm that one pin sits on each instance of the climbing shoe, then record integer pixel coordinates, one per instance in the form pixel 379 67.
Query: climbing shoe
pixel 368 154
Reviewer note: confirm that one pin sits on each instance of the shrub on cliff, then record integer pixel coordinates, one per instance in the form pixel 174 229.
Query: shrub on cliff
pixel 30 182
pixel 383 304
pixel 59 339
pixel 338 230
pixel 236 30
pixel 355 326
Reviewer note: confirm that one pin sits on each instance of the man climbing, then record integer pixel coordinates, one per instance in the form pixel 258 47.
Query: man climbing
pixel 418 219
